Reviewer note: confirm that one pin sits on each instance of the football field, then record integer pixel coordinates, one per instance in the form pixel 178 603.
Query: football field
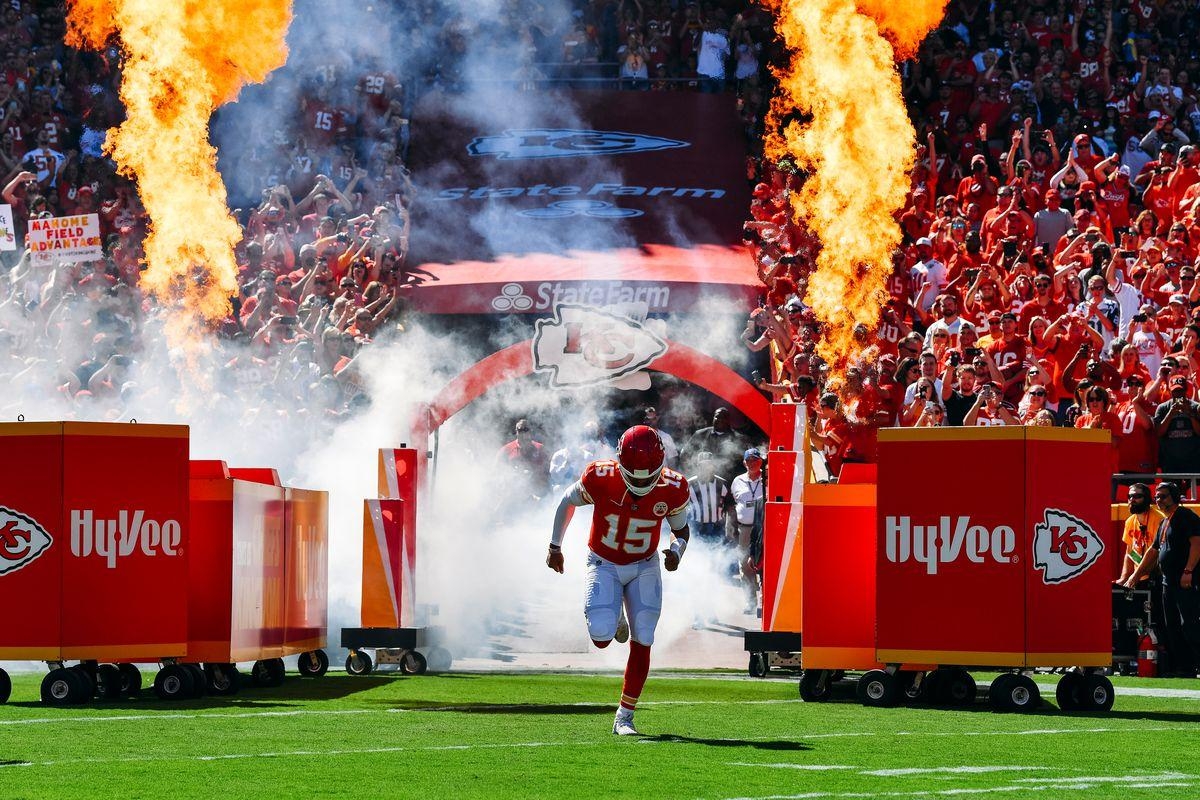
pixel 706 735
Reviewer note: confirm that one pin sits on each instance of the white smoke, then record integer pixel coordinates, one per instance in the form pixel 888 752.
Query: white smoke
pixel 485 574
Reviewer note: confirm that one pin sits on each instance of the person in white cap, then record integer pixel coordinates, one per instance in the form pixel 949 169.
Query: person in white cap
pixel 928 271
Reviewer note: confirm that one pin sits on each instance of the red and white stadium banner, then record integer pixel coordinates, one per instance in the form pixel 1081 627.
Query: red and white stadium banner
pixel 609 199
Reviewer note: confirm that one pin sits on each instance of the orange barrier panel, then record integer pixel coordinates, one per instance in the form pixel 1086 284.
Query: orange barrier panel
pixel 93 519
pixel 783 520
pixel 783 533
pixel 1000 564
pixel 838 577
pixel 785 476
pixel 306 522
pixel 788 427
pixel 387 568
pixel 237 567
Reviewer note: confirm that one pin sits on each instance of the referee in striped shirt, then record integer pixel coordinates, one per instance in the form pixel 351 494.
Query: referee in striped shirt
pixel 711 501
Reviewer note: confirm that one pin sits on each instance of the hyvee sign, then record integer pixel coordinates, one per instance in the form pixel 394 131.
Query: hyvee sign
pixel 589 171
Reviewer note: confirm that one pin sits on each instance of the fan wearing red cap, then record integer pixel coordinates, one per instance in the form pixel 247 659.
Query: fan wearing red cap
pixel 1086 155
pixel 633 495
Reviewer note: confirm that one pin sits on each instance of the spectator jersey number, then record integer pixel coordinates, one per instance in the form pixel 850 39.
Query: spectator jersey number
pixel 635 539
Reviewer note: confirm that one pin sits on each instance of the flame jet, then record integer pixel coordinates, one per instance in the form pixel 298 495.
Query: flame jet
pixel 855 142
pixel 181 60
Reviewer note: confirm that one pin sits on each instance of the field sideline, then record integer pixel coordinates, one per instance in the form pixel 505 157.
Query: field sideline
pixel 710 736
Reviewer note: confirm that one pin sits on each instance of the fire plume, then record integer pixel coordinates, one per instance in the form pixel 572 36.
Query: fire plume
pixel 839 115
pixel 181 60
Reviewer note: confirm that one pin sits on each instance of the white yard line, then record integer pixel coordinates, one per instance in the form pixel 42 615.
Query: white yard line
pixel 1146 782
pixel 801 767
pixel 176 715
pixel 293 754
pixel 961 770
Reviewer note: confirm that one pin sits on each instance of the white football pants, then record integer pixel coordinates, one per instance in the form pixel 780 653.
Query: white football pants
pixel 638 584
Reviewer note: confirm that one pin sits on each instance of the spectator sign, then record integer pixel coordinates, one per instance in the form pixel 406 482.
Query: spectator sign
pixel 8 231
pixel 75 238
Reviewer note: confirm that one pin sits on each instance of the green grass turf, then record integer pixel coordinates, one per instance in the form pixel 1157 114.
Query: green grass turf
pixel 548 735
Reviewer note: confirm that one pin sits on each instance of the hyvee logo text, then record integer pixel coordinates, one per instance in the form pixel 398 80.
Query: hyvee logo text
pixel 111 539
pixel 22 540
pixel 567 143
pixel 947 541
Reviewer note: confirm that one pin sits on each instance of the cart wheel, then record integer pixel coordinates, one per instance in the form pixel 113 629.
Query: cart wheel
pixel 173 682
pixel 5 686
pixel 956 687
pixel 998 691
pixel 108 681
pixel 1097 693
pixel 278 671
pixel 358 663
pixel 1069 692
pixel 312 665
pixel 199 681
pixel 758 665
pixel 815 686
pixel 439 659
pixel 414 663
pixel 87 684
pixel 878 688
pixel 131 680
pixel 60 687
pixel 1014 692
pixel 911 684
pixel 928 692
pixel 266 673
pixel 222 679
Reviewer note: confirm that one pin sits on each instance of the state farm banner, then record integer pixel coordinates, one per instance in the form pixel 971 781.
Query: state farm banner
pixel 625 192
pixel 8 230
pixel 58 239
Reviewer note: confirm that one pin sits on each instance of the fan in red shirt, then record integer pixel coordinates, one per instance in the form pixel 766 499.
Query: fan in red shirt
pixel 1009 354
pixel 978 187
pixel 1043 304
pixel 1137 448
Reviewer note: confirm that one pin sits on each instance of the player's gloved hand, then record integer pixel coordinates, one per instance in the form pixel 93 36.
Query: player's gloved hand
pixel 554 560
pixel 670 560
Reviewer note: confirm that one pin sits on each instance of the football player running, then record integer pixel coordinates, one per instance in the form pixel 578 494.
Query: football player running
pixel 632 495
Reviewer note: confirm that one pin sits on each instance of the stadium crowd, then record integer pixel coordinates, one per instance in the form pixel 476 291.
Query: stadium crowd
pixel 1047 272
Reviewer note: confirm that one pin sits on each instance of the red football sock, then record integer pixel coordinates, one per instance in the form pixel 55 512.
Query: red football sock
pixel 636 670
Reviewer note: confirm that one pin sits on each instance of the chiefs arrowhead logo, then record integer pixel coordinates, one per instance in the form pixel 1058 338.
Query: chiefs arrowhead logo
pixel 567 143
pixel 22 540
pixel 1064 546
pixel 584 346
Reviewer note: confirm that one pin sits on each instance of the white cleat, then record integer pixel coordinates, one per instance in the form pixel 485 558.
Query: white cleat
pixel 623 726
pixel 622 634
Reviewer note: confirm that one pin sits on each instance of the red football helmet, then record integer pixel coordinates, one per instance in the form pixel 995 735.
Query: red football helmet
pixel 640 454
